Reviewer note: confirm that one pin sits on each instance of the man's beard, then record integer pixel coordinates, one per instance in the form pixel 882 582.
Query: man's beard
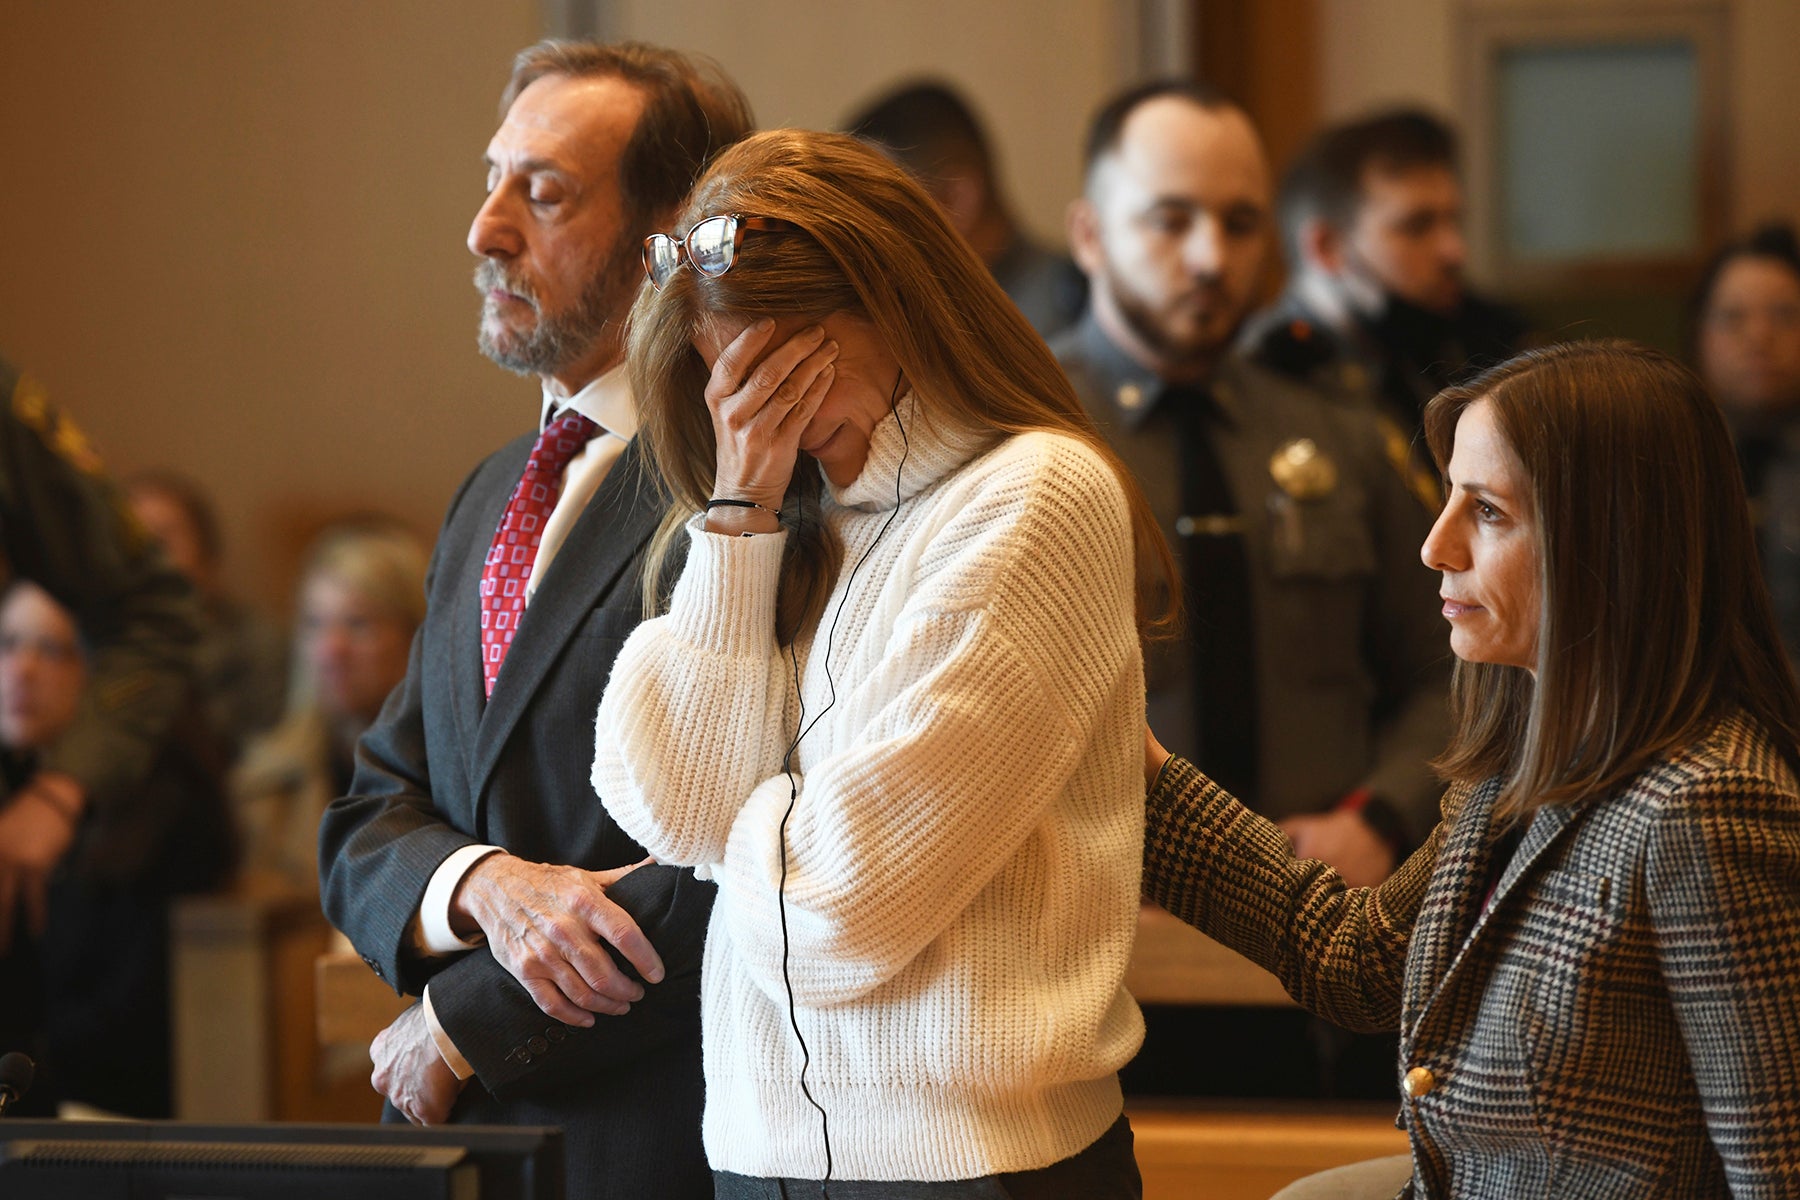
pixel 559 339
pixel 1142 318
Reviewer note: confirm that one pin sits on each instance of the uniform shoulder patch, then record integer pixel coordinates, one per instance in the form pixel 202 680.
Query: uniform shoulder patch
pixel 1419 481
pixel 31 405
pixel 1295 347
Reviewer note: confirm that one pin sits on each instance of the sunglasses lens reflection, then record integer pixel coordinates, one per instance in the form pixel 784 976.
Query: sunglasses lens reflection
pixel 710 245
pixel 662 254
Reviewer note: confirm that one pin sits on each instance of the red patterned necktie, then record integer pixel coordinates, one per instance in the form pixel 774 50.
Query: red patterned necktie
pixel 515 546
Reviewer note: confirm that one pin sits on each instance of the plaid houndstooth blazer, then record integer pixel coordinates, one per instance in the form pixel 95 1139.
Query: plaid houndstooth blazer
pixel 1622 1021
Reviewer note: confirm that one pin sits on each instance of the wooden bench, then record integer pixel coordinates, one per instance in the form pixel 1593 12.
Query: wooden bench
pixel 245 1012
pixel 1224 1150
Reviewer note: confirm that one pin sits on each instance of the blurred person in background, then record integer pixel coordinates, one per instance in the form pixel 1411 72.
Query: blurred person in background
pixel 1747 342
pixel 360 599
pixel 1377 305
pixel 931 131
pixel 241 662
pixel 104 951
pixel 1312 673
pixel 76 802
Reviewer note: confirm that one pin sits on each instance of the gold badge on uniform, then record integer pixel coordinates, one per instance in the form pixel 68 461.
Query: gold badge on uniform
pixel 31 405
pixel 1302 470
pixel 72 444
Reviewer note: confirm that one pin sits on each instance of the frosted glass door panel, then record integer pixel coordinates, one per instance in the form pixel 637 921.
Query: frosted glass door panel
pixel 1599 151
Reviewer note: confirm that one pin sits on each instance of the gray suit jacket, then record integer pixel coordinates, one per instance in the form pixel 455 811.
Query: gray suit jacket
pixel 1622 1020
pixel 441 769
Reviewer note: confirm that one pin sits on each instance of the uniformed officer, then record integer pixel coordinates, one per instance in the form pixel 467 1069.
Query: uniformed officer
pixel 63 526
pixel 1377 307
pixel 1313 678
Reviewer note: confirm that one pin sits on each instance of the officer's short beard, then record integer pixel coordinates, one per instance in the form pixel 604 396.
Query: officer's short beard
pixel 557 339
pixel 1147 324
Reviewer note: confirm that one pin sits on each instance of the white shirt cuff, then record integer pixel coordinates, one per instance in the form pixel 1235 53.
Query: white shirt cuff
pixel 433 935
pixel 459 1066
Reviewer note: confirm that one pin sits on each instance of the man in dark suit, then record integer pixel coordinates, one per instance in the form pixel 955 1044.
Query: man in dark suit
pixel 471 819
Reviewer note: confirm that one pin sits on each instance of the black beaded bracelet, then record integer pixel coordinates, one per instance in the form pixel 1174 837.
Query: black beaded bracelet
pixel 723 502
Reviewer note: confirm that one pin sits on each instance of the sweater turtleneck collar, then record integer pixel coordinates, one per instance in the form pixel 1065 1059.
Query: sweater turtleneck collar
pixel 918 451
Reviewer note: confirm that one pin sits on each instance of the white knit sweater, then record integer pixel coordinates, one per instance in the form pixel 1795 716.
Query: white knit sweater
pixel 964 853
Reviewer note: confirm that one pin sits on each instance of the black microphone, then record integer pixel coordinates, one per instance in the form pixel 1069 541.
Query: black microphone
pixel 16 1073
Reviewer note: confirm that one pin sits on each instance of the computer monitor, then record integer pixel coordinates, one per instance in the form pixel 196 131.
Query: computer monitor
pixel 166 1160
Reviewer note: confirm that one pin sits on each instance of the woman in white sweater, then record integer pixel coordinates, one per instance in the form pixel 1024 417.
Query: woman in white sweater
pixel 895 705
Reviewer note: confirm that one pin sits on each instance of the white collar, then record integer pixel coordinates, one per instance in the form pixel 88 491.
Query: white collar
pixel 927 452
pixel 606 401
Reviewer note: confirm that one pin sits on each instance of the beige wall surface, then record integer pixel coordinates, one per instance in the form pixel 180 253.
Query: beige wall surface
pixel 1378 52
pixel 1035 69
pixel 233 231
pixel 1765 95
pixel 233 244
pixel 1381 51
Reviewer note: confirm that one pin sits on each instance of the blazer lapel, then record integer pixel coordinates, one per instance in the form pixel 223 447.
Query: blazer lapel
pixel 1547 824
pixel 1453 951
pixel 1451 900
pixel 596 558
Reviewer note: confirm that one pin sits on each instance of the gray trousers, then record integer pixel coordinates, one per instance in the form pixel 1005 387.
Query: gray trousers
pixel 1106 1170
pixel 1373 1179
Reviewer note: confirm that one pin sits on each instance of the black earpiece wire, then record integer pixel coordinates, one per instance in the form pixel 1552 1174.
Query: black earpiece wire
pixel 801 728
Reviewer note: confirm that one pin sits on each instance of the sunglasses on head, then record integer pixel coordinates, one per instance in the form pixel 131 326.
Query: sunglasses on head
pixel 710 245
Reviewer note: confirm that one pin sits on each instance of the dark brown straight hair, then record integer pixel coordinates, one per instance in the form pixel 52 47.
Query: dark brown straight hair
pixel 1655 617
pixel 873 244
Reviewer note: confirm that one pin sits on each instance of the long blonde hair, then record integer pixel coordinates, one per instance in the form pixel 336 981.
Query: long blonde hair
pixel 380 559
pixel 872 244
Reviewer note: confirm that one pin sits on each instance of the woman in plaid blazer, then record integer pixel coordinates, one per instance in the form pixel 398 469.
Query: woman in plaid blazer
pixel 1594 961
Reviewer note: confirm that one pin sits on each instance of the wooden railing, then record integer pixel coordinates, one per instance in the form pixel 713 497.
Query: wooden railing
pixel 1190 1151
pixel 245 1012
pixel 1174 963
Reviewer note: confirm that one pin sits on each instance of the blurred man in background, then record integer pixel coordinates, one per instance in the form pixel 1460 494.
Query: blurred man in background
pixel 1312 682
pixel 930 130
pixel 241 662
pixel 1377 303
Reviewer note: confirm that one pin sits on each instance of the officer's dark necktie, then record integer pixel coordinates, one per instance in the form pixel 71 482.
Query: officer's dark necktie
pixel 1217 579
pixel 513 553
